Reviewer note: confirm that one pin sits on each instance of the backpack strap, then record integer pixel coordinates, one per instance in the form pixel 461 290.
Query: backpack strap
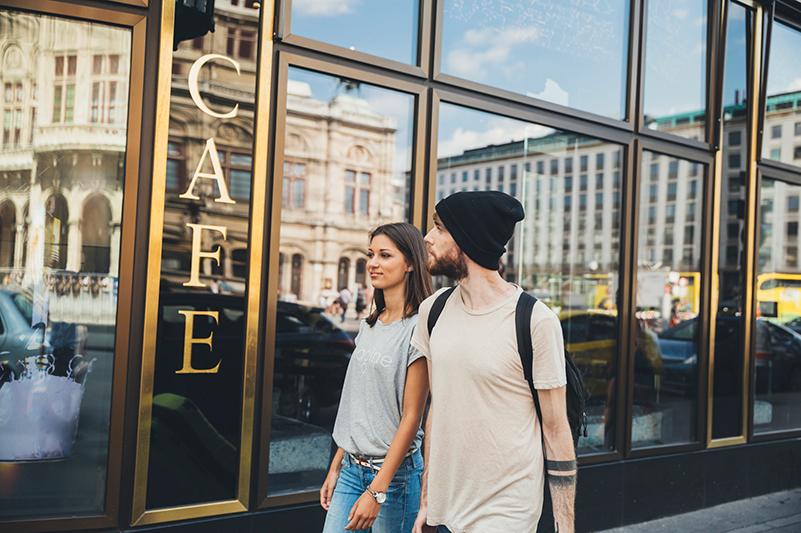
pixel 525 306
pixel 436 309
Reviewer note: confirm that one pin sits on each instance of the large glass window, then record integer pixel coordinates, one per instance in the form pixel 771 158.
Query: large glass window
pixel 675 67
pixel 61 199
pixel 540 49
pixel 667 337
pixel 196 425
pixel 783 96
pixel 728 371
pixel 777 350
pixel 364 182
pixel 387 29
pixel 552 255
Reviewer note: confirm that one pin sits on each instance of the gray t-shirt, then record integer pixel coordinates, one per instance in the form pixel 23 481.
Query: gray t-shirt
pixel 372 397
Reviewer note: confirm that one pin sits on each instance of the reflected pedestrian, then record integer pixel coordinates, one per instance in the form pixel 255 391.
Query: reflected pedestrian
pixel 374 480
pixel 344 301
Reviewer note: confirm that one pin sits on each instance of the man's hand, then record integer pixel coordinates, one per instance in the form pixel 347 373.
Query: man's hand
pixel 363 513
pixel 420 525
pixel 327 490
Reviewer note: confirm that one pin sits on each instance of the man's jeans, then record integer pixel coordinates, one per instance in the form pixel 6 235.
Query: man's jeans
pixel 443 529
pixel 397 514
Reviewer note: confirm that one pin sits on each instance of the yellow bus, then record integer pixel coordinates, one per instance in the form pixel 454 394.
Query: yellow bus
pixel 779 296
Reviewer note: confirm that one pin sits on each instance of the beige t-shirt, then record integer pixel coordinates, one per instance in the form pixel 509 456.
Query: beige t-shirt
pixel 485 462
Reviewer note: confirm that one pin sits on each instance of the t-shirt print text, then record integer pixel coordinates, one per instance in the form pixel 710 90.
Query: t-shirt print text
pixel 371 357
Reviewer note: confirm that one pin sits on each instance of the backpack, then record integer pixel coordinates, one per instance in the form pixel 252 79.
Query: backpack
pixel 574 392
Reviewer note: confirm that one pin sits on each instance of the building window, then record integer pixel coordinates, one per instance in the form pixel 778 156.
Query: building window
pixel 792 229
pixel 442 179
pixel 776 154
pixel 671 192
pixel 513 189
pixel 693 169
pixel 692 189
pixel 464 176
pixel 513 172
pixel 653 194
pixel 670 214
pixel 732 255
pixel 732 207
pixel 689 234
pixel 583 182
pixel 453 177
pixel 540 168
pixel 476 175
pixel 654 171
pixel 616 200
pixel 599 181
pixel 599 201
pixel 97 64
pixel 582 202
pixel 599 161
pixel 247 44
pixel 94 114
pixel 176 167
pixel 114 63
pixel 236 169
pixel 734 184
pixel 500 174
pixel 56 105
pixel 651 215
pixel 791 254
pixel 6 128
pixel 583 163
pixel 733 230
pixel 349 192
pixel 735 138
pixel 797 128
pixel 599 221
pixel 569 165
pixel 734 160
pixel 776 131
pixel 554 167
pixel 673 169
pixel 797 152
pixel 667 256
pixel 488 175
pixel 792 203
pixel 616 180
pixel 112 102
pixel 667 237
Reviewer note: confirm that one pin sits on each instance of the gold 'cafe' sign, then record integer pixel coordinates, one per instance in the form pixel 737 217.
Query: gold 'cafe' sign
pixel 209 152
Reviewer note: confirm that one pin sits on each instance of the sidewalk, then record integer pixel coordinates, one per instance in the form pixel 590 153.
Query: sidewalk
pixel 779 512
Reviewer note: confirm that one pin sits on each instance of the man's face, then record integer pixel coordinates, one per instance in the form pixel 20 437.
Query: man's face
pixel 445 258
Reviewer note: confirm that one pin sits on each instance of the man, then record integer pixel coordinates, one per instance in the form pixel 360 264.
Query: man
pixel 344 301
pixel 484 470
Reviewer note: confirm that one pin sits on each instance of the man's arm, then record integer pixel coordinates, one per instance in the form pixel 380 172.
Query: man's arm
pixel 420 525
pixel 560 457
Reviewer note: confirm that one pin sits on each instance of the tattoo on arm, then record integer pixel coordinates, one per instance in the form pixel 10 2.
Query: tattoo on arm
pixel 562 482
pixel 560 466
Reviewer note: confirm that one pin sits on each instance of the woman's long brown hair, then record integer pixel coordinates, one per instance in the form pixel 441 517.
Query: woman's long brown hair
pixel 409 241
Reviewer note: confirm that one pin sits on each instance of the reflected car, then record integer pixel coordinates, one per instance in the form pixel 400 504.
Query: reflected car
pixel 777 356
pixel 311 351
pixel 22 341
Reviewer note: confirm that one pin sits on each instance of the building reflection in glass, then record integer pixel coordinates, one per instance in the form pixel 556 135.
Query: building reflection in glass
pixel 346 169
pixel 566 250
pixel 62 163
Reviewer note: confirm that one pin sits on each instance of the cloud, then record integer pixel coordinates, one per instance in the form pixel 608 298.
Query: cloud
pixel 487 47
pixel 795 85
pixel 552 93
pixel 324 8
pixel 499 131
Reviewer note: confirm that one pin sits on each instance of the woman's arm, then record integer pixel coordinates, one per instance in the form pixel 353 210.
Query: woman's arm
pixel 415 393
pixel 330 483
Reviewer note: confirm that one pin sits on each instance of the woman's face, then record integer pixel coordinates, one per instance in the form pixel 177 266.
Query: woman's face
pixel 386 264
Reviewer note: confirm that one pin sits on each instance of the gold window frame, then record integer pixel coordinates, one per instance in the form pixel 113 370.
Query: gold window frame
pixel 138 27
pixel 140 514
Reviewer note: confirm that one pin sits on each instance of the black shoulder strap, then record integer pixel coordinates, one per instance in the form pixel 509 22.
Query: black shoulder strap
pixel 525 306
pixel 436 309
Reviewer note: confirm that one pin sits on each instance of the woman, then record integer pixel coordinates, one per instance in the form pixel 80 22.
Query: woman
pixel 374 479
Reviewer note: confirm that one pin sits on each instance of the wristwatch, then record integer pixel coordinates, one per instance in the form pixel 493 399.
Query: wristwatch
pixel 379 497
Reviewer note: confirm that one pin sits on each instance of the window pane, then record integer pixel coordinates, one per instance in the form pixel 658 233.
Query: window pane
pixel 386 29
pixel 204 265
pixel 727 390
pixel 667 336
pixel 59 265
pixel 552 255
pixel 675 67
pixel 777 356
pixel 782 96
pixel 365 183
pixel 538 49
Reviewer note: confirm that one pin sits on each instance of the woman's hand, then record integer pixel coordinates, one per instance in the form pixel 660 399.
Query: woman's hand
pixel 327 490
pixel 363 513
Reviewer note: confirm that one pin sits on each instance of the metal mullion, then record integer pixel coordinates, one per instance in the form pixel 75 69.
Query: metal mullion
pixel 681 151
pixel 431 182
pixel 627 297
pixel 763 85
pixel 424 36
pixel 636 76
pixel 782 172
pixel 446 82
pixel 528 113
pixel 436 51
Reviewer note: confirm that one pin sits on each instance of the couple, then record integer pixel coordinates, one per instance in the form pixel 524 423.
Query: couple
pixel 484 463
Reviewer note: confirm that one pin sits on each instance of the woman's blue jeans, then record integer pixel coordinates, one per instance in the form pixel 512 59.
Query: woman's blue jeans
pixel 397 514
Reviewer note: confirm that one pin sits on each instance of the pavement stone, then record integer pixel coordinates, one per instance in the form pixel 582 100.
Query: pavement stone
pixel 779 512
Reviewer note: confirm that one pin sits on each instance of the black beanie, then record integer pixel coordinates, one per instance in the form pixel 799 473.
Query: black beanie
pixel 481 223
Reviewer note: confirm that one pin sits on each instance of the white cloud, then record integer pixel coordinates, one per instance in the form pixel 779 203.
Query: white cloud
pixel 486 47
pixel 324 8
pixel 499 131
pixel 795 85
pixel 552 93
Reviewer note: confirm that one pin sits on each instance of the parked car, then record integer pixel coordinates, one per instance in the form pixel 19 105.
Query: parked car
pixel 777 356
pixel 25 339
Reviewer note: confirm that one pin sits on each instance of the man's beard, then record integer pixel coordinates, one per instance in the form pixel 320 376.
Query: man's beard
pixel 453 265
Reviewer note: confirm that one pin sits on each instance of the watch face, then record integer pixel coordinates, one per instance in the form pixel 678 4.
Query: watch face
pixel 380 497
